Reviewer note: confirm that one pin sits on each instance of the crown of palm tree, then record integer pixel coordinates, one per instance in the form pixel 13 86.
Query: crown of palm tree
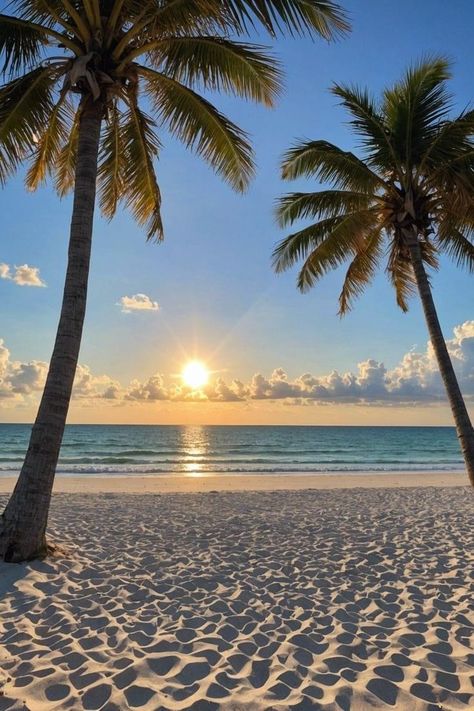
pixel 416 178
pixel 58 52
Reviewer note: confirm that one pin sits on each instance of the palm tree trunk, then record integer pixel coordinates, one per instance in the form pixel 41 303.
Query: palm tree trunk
pixel 464 428
pixel 23 524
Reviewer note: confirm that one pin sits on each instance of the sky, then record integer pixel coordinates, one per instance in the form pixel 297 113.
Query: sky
pixel 208 291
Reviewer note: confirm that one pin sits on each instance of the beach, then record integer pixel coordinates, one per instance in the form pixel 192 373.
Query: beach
pixel 315 597
pixel 195 482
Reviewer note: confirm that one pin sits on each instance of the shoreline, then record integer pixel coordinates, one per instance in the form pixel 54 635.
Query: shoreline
pixel 202 483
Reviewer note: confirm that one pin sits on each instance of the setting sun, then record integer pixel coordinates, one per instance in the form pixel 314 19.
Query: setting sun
pixel 195 374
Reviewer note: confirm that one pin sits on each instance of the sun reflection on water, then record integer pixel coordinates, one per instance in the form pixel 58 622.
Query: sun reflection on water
pixel 194 450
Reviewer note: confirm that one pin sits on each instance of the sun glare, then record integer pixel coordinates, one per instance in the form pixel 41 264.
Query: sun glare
pixel 195 374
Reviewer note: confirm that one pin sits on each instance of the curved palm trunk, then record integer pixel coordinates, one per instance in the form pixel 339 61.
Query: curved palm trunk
pixel 23 524
pixel 464 428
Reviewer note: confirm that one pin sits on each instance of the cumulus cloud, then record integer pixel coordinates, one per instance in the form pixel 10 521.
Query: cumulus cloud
pixel 23 275
pixel 152 389
pixel 414 380
pixel 21 381
pixel 138 302
pixel 88 386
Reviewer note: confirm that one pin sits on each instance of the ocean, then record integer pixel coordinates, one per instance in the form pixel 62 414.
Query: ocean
pixel 154 449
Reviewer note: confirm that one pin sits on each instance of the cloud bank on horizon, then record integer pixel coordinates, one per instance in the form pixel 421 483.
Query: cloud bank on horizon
pixel 414 380
pixel 24 275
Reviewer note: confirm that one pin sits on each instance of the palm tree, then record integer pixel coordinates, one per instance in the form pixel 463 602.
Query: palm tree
pixel 410 197
pixel 77 72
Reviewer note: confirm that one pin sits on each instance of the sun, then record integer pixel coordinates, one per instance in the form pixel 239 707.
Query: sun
pixel 195 374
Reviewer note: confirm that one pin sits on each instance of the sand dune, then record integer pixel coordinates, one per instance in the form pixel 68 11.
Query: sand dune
pixel 351 599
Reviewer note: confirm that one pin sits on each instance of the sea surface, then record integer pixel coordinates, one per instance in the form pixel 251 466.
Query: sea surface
pixel 154 450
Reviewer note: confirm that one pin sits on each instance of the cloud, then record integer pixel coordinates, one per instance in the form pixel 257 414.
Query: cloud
pixel 27 378
pixel 23 275
pixel 88 386
pixel 152 389
pixel 414 380
pixel 138 302
pixel 20 382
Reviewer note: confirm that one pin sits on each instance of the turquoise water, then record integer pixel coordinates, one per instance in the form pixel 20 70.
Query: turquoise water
pixel 153 450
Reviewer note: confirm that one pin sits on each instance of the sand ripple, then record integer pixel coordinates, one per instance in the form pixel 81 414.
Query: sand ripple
pixel 335 600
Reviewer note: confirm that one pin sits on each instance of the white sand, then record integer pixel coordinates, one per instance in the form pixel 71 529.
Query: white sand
pixel 349 599
pixel 244 482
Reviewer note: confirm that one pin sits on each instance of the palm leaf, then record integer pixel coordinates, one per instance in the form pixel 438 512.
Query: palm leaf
pixel 147 21
pixel 298 245
pixel 65 168
pixel 112 164
pixel 337 233
pixel 328 163
pixel 457 244
pixel 369 124
pixel 361 270
pixel 326 203
pixel 49 143
pixel 451 140
pixel 201 127
pixel 414 107
pixel 21 44
pixel 315 17
pixel 220 65
pixel 401 275
pixel 28 34
pixel 342 241
pixel 141 191
pixel 26 105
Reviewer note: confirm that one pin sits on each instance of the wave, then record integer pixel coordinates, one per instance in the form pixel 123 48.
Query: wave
pixel 139 470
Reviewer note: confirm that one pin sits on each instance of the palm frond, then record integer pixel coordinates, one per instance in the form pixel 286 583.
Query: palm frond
pixel 451 140
pixel 26 105
pixel 148 21
pixel 49 143
pixel 201 127
pixel 361 269
pixel 453 179
pixel 429 253
pixel 323 245
pixel 65 168
pixel 456 243
pixel 21 44
pixel 41 11
pixel 298 245
pixel 193 17
pixel 28 36
pixel 414 107
pixel 400 272
pixel 220 65
pixel 141 147
pixel 369 125
pixel 322 204
pixel 313 17
pixel 112 164
pixel 343 241
pixel 328 163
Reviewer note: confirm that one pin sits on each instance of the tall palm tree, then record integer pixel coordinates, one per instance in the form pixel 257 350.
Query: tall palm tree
pixel 410 197
pixel 76 74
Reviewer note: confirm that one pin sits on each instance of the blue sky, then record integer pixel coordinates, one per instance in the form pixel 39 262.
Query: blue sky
pixel 219 299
